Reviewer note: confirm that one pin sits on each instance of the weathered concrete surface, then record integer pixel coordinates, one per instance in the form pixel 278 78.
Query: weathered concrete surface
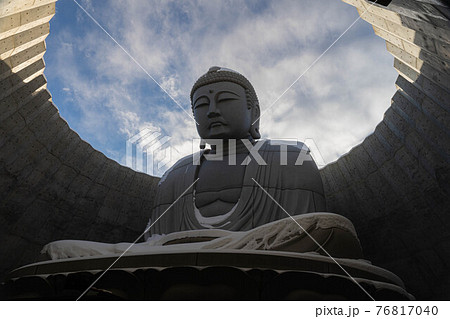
pixel 395 185
pixel 53 185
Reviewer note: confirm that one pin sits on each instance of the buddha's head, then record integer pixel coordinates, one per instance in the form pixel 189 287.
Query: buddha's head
pixel 225 105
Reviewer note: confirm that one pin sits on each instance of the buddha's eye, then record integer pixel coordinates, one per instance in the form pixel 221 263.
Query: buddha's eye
pixel 225 96
pixel 202 101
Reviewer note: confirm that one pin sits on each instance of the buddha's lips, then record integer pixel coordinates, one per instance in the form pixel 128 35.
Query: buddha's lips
pixel 216 123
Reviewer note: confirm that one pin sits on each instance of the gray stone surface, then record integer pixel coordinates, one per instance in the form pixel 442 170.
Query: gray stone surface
pixel 53 185
pixel 394 186
pixel 401 210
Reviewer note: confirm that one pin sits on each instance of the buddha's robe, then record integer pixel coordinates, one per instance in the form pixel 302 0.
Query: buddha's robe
pixel 297 188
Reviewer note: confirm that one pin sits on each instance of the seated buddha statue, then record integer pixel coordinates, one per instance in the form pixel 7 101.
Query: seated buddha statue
pixel 241 203
pixel 241 192
pixel 226 109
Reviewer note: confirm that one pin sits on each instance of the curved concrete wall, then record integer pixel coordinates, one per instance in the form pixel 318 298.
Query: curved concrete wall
pixel 394 186
pixel 53 185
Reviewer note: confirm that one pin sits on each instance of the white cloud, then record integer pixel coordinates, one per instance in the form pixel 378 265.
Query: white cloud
pixel 337 103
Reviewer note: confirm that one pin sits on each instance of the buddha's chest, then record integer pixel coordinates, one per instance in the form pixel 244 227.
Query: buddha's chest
pixel 219 185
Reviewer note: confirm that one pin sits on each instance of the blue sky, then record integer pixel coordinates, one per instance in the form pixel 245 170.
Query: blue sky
pixel 107 98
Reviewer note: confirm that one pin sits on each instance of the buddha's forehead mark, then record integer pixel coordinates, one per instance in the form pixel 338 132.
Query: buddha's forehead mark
pixel 211 91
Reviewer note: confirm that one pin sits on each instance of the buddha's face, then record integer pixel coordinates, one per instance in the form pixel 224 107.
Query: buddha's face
pixel 221 111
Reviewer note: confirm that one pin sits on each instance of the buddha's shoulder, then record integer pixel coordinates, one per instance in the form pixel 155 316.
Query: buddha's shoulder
pixel 184 162
pixel 291 165
pixel 293 151
pixel 179 168
pixel 288 145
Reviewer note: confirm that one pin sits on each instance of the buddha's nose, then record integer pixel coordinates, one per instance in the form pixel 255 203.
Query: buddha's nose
pixel 213 111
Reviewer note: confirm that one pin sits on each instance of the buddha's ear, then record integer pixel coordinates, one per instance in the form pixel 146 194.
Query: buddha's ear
pixel 254 132
pixel 255 114
pixel 254 128
pixel 256 111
